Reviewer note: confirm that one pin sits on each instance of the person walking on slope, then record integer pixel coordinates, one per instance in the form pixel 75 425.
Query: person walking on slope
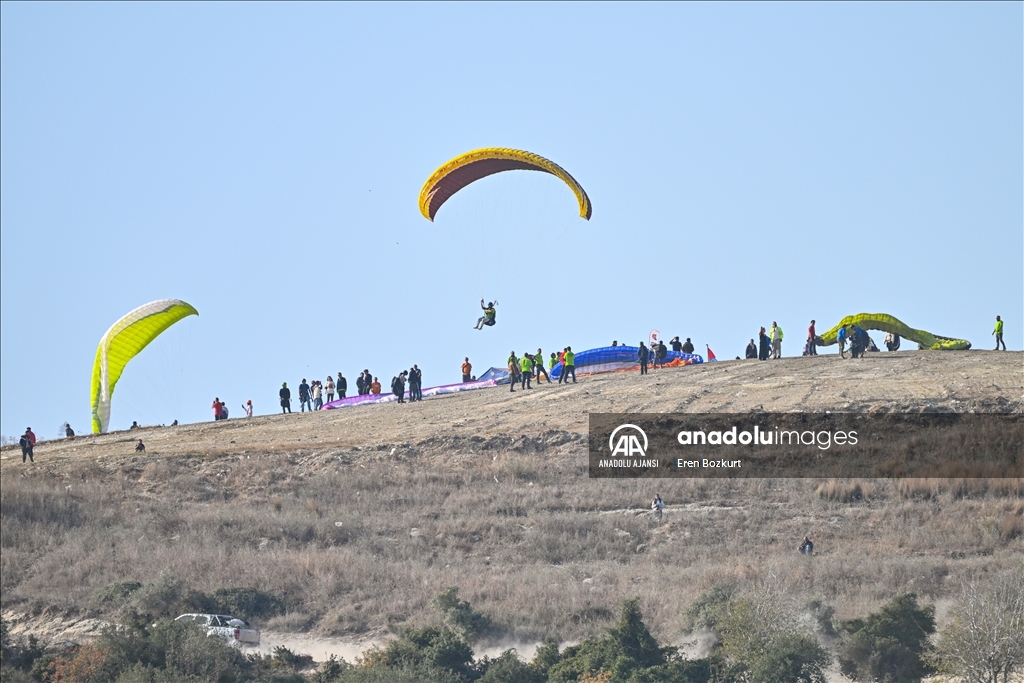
pixel 286 398
pixel 538 362
pixel 304 399
pixel 513 370
pixel 811 336
pixel 568 366
pixel 342 386
pixel 642 356
pixel 776 336
pixel 467 370
pixel 27 442
pixel 752 350
pixel 998 331
pixel 657 506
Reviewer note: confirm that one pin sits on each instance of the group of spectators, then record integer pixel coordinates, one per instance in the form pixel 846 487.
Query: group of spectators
pixel 414 378
pixel 523 370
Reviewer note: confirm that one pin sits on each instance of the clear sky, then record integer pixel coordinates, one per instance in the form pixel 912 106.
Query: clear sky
pixel 746 162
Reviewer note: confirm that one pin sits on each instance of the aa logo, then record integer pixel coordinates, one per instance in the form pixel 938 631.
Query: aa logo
pixel 628 443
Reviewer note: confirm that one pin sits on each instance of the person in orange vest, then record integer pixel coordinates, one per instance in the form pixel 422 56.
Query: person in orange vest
pixel 467 370
pixel 375 386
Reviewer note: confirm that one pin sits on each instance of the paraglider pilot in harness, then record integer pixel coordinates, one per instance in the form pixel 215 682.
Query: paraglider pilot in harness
pixel 488 316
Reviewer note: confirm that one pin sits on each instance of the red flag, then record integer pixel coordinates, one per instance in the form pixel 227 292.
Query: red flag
pixel 711 354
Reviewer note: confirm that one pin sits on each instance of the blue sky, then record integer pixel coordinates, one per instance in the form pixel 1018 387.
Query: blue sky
pixel 746 162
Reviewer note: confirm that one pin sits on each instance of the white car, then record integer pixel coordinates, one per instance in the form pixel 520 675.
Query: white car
pixel 231 630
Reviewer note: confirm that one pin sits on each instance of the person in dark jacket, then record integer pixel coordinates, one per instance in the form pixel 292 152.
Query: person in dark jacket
pixel 27 443
pixel 765 348
pixel 677 345
pixel 643 355
pixel 341 385
pixel 398 386
pixel 286 398
pixel 688 346
pixel 660 354
pixel 414 384
pixel 304 396
pixel 751 349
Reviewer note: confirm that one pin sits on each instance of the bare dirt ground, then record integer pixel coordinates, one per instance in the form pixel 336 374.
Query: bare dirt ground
pixel 357 517
pixel 907 381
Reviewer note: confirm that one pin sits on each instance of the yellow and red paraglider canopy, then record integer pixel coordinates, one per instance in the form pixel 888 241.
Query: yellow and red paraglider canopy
pixel 472 166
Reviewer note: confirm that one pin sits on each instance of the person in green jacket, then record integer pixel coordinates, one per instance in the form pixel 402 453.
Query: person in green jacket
pixel 526 371
pixel 568 366
pixel 999 333
pixel 538 361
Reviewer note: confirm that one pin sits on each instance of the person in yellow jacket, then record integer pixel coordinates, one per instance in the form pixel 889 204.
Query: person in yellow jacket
pixel 538 362
pixel 526 371
pixel 999 333
pixel 568 366
pixel 775 334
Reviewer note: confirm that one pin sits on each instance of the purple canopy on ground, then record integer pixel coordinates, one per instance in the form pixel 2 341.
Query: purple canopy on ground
pixel 387 398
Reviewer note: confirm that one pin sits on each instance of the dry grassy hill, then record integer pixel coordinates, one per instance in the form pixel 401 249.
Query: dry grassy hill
pixel 356 518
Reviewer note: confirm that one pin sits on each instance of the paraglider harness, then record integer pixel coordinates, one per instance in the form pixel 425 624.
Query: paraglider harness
pixel 489 315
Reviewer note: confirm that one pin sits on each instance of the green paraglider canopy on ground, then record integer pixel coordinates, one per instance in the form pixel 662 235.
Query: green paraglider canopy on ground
pixel 888 323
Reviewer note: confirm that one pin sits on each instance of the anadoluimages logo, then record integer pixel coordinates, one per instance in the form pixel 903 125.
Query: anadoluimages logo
pixel 628 444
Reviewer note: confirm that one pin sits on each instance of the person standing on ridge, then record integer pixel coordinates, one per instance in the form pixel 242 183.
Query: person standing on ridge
pixel 513 371
pixel 304 398
pixel 569 365
pixel 677 346
pixel 488 316
pixel 688 346
pixel 764 345
pixel 361 383
pixel 660 354
pixel 247 407
pixel 317 392
pixel 752 350
pixel 286 398
pixel 526 367
pixel 998 331
pixel 398 386
pixel 418 375
pixel 375 386
pixel 841 340
pixel 467 370
pixel 811 336
pixel 538 362
pixel 218 409
pixel 329 388
pixel 27 442
pixel 642 356
pixel 342 385
pixel 775 334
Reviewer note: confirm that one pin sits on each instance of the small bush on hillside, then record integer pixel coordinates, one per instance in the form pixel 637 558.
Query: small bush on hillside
pixel 460 617
pixel 710 608
pixel 116 593
pixel 889 644
pixel 247 603
pixel 168 596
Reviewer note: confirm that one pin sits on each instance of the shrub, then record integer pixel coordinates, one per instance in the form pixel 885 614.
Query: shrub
pixel 247 603
pixel 889 644
pixel 709 609
pixel 459 616
pixel 116 593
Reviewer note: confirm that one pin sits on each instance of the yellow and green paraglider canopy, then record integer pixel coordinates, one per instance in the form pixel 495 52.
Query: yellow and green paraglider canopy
pixel 122 342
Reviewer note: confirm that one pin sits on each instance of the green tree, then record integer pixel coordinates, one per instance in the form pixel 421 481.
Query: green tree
pixel 889 645
pixel 508 668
